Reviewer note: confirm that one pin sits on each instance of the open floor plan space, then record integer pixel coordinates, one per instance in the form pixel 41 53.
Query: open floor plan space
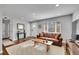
pixel 39 29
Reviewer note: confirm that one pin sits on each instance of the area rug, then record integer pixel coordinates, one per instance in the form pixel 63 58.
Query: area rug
pixel 56 50
pixel 27 48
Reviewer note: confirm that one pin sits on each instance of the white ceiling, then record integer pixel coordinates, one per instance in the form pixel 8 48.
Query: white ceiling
pixel 31 12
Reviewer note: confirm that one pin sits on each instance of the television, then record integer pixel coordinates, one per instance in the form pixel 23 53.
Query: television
pixel 77 37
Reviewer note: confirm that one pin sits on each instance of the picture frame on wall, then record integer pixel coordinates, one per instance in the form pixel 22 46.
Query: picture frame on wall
pixel 21 34
pixel 20 26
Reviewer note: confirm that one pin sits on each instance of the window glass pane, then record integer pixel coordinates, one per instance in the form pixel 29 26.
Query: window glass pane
pixel 51 27
pixel 45 27
pixel 58 26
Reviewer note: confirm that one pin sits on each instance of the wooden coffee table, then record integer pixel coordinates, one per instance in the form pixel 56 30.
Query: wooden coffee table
pixel 37 40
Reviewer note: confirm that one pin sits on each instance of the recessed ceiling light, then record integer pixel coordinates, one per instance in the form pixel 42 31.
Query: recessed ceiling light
pixel 57 5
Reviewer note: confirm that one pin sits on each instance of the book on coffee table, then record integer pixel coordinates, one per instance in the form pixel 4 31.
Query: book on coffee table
pixel 49 42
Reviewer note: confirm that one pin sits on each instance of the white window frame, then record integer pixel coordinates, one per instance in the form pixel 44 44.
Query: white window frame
pixel 55 28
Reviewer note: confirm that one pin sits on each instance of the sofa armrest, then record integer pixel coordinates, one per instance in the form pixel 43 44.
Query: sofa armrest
pixel 60 39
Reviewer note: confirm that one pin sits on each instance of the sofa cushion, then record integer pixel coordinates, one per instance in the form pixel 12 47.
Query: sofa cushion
pixel 45 34
pixel 56 38
pixel 50 36
pixel 53 35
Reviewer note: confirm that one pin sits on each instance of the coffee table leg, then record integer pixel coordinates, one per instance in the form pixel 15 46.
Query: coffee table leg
pixel 35 43
pixel 48 46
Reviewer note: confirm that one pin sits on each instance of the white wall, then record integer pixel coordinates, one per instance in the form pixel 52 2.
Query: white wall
pixel 34 29
pixel 27 29
pixel 77 30
pixel 14 22
pixel 75 15
pixel 75 24
pixel 66 25
pixel 0 34
pixel 11 28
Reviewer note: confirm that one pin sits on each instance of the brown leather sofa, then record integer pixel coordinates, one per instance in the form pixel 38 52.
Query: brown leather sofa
pixel 56 38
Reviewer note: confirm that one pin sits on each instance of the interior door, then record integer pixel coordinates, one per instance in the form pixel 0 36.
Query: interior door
pixel 3 30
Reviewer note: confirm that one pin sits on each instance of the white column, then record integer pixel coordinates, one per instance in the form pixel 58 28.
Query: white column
pixel 0 34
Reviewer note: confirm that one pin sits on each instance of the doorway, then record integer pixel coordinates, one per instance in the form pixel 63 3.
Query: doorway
pixel 6 28
pixel 6 41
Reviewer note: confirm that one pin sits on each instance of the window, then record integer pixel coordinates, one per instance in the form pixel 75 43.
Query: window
pixel 45 27
pixel 58 25
pixel 51 27
pixel 54 27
